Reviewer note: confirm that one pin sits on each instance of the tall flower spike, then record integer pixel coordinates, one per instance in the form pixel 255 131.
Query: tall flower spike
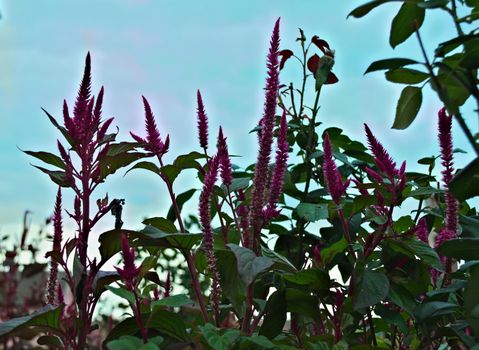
pixel 153 141
pixel 332 176
pixel 130 272
pixel 57 242
pixel 381 157
pixel 422 232
pixel 445 143
pixel 205 220
pixel 224 159
pixel 167 285
pixel 277 179
pixel 202 122
pixel 265 140
pixel 84 91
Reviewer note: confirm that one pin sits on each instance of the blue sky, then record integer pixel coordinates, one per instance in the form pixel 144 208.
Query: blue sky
pixel 165 50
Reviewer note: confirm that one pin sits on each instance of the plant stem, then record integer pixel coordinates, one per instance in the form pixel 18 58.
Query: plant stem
pixel 371 327
pixel 189 258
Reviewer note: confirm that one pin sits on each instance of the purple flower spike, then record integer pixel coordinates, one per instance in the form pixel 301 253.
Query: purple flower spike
pixel 224 159
pixel 277 179
pixel 130 272
pixel 422 232
pixel 205 220
pixel 265 139
pixel 202 122
pixel 83 98
pixel 381 157
pixel 445 143
pixel 57 242
pixel 332 176
pixel 167 285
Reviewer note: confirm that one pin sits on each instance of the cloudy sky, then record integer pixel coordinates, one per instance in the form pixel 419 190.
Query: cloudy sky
pixel 167 49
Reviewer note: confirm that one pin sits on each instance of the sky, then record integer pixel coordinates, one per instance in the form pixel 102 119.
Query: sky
pixel 166 50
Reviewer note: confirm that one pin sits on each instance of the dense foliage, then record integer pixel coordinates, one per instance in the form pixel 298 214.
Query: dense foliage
pixel 307 248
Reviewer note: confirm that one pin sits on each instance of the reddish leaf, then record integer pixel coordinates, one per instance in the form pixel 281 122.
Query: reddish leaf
pixel 313 63
pixel 321 44
pixel 332 79
pixel 285 55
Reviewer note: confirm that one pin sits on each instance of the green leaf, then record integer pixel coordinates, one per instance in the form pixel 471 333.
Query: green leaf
pixel 406 76
pixel 460 248
pixel 371 288
pixel 388 64
pixel 162 224
pixel 312 212
pixel 471 301
pixel 121 147
pixel 47 319
pixel 426 311
pixel 328 253
pixel 126 342
pixel 465 183
pixel 151 237
pixel 103 279
pixel 181 199
pixel 217 340
pixel 59 127
pixel 318 279
pixel 409 18
pixel 172 301
pixel 408 106
pixel 57 176
pixel 126 327
pixel 260 340
pixel 280 261
pixel 147 166
pixel 425 253
pixel 364 9
pixel 110 243
pixel 238 183
pixel 51 341
pixel 230 280
pixel 433 4
pixel 110 164
pixel 249 265
pixel 48 158
pixel 302 303
pixel 123 293
pixel 168 323
pixel 275 315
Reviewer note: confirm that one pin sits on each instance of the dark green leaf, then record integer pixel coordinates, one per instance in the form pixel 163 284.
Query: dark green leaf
pixel 48 158
pixel 249 265
pixel 426 311
pixel 58 177
pixel 46 318
pixel 147 166
pixel 471 300
pixel 460 248
pixel 371 288
pixel 32 269
pixel 103 279
pixel 390 63
pixel 275 315
pixel 59 127
pixel 217 340
pixel 151 236
pixel 302 303
pixel 312 212
pixel 162 224
pixel 181 199
pixel 364 9
pixel 172 301
pixel 408 106
pixel 168 323
pixel 110 164
pixel 465 183
pixel 328 253
pixel 406 76
pixel 433 4
pixel 230 280
pixel 408 19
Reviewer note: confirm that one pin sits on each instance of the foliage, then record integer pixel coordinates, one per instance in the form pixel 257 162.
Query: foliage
pixel 306 248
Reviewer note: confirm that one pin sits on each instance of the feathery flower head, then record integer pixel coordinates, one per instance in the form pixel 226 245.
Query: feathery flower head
pixel 277 179
pixel 57 241
pixel 444 235
pixel 334 182
pixel 266 137
pixel 224 159
pixel 83 98
pixel 202 121
pixel 381 157
pixel 130 272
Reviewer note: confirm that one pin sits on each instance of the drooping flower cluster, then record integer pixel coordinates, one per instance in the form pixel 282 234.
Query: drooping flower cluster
pixel 205 220
pixel 153 142
pixel 57 242
pixel 129 274
pixel 336 187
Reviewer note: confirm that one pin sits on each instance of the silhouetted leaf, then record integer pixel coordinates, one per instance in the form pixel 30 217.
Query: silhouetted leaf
pixel 409 18
pixel 408 106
